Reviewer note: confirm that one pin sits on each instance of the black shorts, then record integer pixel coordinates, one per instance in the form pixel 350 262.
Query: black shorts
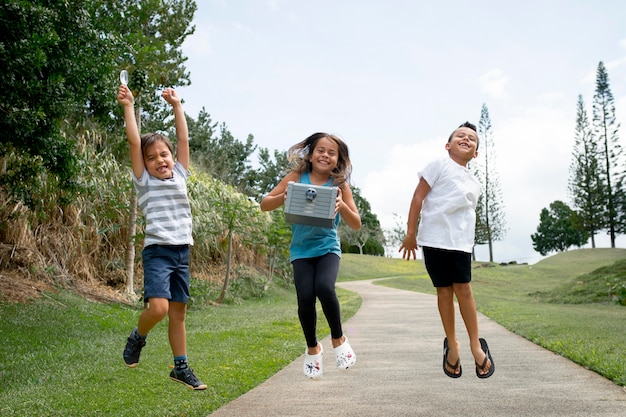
pixel 447 267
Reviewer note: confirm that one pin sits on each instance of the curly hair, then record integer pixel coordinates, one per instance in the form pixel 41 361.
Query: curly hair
pixel 299 156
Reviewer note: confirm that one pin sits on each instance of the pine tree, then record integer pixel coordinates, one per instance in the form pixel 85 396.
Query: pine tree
pixel 605 130
pixel 490 220
pixel 586 187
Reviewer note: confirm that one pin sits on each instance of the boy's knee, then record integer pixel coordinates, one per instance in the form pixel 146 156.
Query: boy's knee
pixel 462 290
pixel 158 309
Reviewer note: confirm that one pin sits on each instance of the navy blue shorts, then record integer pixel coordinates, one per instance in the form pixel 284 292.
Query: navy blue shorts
pixel 447 267
pixel 166 272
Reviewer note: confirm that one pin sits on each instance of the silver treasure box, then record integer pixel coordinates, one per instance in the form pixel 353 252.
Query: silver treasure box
pixel 313 205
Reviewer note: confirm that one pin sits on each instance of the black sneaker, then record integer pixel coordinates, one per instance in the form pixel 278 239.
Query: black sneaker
pixel 132 350
pixel 187 377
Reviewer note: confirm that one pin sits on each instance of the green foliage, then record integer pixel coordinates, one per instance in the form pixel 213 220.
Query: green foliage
pixel 59 59
pixel 586 187
pixel 42 49
pixel 559 229
pixel 370 238
pixel 278 237
pixel 270 172
pixel 605 129
pixel 218 208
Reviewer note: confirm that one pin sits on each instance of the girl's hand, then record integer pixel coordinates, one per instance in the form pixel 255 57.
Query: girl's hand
pixel 338 201
pixel 169 94
pixel 125 96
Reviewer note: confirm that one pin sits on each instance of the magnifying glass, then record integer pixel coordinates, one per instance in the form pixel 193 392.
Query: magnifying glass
pixel 124 77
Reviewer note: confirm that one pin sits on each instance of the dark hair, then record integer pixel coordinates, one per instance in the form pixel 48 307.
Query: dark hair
pixel 468 125
pixel 148 139
pixel 300 154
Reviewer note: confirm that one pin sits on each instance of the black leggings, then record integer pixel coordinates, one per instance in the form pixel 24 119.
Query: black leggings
pixel 315 278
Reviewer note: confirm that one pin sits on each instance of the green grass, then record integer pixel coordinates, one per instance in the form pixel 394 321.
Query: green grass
pixel 561 303
pixel 62 355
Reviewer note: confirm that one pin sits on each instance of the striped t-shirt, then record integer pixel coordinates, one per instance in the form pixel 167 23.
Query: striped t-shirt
pixel 165 205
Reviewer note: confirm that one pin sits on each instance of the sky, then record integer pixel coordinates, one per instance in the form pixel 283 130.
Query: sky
pixel 394 78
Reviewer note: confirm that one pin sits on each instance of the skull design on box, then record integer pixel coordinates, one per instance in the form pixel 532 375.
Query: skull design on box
pixel 310 194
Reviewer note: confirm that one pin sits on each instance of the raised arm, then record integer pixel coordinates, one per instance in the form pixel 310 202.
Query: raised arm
pixel 125 98
pixel 180 123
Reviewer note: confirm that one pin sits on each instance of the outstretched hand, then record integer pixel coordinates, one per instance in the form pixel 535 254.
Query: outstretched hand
pixel 170 95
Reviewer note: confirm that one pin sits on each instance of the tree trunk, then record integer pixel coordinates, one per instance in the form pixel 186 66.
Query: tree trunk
pixel 130 250
pixel 220 300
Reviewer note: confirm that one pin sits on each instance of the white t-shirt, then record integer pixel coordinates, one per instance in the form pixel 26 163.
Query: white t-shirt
pixel 448 217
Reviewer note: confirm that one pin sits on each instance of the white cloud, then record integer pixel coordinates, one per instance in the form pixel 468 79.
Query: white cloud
pixel 494 83
pixel 198 46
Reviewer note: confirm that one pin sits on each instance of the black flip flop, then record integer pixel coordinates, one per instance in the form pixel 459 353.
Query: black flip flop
pixel 492 368
pixel 447 364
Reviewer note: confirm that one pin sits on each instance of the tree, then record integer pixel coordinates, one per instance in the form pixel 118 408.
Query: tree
pixel 224 157
pixel 278 237
pixel 49 55
pixel 586 187
pixel 481 232
pixel 605 129
pixel 490 219
pixel 270 172
pixel 395 236
pixel 370 239
pixel 559 229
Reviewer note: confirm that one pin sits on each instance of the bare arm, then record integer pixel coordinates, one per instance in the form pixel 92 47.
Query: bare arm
pixel 125 98
pixel 277 196
pixel 346 206
pixel 180 123
pixel 409 244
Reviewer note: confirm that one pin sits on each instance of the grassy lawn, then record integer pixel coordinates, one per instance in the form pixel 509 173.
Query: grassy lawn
pixel 62 354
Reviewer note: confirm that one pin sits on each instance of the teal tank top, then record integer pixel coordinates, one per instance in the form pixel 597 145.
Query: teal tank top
pixel 312 241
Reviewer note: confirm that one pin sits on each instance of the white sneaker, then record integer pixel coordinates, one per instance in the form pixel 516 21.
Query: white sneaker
pixel 345 355
pixel 313 367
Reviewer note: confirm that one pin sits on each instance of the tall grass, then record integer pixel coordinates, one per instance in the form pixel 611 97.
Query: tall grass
pixel 84 243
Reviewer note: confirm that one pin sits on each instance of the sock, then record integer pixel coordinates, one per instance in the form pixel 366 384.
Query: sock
pixel 137 336
pixel 180 362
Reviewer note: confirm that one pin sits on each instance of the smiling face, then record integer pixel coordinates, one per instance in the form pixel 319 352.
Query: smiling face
pixel 158 160
pixel 324 156
pixel 462 145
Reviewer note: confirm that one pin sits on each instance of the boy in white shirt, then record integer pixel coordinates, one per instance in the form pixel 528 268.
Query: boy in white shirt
pixel 444 202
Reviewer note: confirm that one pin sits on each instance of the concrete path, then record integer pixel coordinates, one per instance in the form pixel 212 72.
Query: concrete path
pixel 398 340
